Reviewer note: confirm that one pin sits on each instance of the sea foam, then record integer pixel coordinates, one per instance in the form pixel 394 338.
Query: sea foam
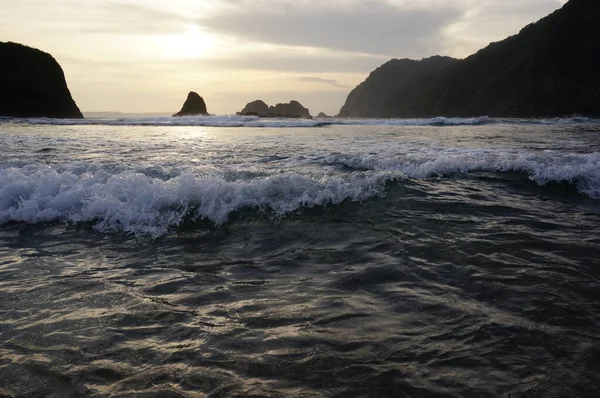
pixel 132 202
pixel 255 121
pixel 582 170
pixel 135 203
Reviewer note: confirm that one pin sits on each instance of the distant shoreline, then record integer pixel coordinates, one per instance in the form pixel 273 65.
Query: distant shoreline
pixel 124 115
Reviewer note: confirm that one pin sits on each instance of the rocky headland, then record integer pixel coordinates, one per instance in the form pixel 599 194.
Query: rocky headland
pixel 549 69
pixel 368 98
pixel 32 84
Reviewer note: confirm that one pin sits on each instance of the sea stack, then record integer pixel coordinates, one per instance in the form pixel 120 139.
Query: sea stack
pixel 194 105
pixel 32 84
pixel 255 108
pixel 292 109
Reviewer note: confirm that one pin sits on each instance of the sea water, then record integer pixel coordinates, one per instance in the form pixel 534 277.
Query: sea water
pixel 237 256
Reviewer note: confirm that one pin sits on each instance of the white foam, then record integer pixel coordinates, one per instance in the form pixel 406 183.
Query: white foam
pixel 203 121
pixel 137 204
pixel 254 121
pixel 582 170
pixel 436 121
pixel 121 199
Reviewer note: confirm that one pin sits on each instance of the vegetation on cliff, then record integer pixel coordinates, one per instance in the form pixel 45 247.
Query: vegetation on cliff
pixel 368 98
pixel 551 68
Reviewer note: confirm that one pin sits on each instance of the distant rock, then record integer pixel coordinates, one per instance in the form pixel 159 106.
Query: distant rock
pixel 255 108
pixel 32 84
pixel 369 97
pixel 322 115
pixel 194 105
pixel 293 109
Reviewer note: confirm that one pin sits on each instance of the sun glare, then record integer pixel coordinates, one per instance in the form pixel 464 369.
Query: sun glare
pixel 194 43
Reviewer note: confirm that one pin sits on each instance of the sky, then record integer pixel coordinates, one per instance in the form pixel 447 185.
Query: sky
pixel 146 55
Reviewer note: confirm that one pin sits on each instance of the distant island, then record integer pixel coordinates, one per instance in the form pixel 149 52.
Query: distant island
pixel 550 69
pixel 32 84
pixel 293 109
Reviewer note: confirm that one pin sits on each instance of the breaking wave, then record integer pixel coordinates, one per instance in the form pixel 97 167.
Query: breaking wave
pixel 581 170
pixel 138 204
pixel 135 203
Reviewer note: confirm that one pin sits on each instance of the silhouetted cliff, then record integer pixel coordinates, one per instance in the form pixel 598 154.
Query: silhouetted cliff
pixel 368 98
pixel 551 68
pixel 32 84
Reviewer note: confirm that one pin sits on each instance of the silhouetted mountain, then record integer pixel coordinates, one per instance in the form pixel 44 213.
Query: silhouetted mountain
pixel 194 105
pixel 368 98
pixel 32 84
pixel 293 109
pixel 551 68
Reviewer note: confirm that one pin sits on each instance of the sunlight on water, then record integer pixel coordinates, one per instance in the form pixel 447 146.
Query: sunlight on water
pixel 346 260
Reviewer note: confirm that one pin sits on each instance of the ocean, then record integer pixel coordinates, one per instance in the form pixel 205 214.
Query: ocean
pixel 244 257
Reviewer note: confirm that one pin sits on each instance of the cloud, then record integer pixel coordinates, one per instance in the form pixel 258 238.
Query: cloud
pixel 300 62
pixel 140 55
pixel 131 18
pixel 94 16
pixel 492 20
pixel 369 27
pixel 315 79
pixel 252 61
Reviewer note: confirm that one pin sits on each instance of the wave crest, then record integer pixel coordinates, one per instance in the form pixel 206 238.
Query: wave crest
pixel 582 170
pixel 154 203
pixel 137 204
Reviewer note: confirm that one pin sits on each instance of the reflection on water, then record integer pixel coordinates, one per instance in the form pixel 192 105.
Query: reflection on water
pixel 435 290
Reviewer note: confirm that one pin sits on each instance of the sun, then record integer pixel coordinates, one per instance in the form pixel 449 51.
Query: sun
pixel 195 42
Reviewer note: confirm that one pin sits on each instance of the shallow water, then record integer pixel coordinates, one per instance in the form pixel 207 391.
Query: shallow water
pixel 347 260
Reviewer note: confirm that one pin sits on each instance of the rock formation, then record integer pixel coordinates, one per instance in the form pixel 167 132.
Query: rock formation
pixel 293 109
pixel 255 108
pixel 551 68
pixel 323 115
pixel 194 105
pixel 368 98
pixel 32 84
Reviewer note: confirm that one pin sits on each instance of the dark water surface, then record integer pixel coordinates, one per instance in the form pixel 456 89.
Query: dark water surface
pixel 340 261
